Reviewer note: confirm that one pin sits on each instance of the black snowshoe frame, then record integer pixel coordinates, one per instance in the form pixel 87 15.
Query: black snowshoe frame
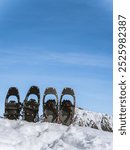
pixel 31 106
pixel 12 107
pixel 50 107
pixel 66 108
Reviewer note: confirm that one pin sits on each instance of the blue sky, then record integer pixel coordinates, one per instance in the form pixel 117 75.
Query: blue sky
pixel 58 43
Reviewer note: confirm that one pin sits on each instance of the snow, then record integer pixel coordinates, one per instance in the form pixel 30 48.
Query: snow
pixel 91 119
pixel 22 135
pixel 86 133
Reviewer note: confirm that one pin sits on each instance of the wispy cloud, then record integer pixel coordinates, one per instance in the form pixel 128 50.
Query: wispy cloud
pixel 65 58
pixel 81 59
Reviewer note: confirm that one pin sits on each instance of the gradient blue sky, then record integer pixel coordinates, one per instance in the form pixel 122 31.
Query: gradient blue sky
pixel 58 43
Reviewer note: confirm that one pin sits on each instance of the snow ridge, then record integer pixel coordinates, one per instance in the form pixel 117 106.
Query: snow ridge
pixel 95 120
pixel 22 135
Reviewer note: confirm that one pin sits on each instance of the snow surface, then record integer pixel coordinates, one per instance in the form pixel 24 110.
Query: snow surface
pixel 86 133
pixel 22 135
pixel 95 120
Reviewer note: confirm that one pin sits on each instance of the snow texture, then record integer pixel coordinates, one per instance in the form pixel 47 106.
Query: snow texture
pixel 22 135
pixel 95 120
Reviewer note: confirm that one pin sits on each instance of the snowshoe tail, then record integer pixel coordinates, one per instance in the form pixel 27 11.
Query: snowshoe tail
pixel 12 107
pixel 67 109
pixel 50 107
pixel 31 106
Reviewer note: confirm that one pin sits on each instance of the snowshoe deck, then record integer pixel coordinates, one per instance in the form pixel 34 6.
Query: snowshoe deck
pixel 12 107
pixel 50 107
pixel 31 106
pixel 67 109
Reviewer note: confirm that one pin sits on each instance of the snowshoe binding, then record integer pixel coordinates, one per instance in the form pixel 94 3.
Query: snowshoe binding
pixel 12 107
pixel 31 106
pixel 66 108
pixel 50 107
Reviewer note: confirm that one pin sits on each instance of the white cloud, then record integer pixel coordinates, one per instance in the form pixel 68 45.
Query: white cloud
pixel 81 59
pixel 36 58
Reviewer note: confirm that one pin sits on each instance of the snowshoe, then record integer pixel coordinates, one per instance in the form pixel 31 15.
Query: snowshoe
pixel 31 106
pixel 50 107
pixel 12 107
pixel 66 108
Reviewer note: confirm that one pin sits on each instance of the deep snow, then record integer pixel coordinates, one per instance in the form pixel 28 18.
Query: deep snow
pixel 21 135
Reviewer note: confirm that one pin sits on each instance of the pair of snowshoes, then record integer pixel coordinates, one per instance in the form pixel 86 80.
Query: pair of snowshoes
pixel 62 112
pixel 30 106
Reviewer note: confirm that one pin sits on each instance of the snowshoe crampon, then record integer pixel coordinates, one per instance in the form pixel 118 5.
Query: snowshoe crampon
pixel 50 106
pixel 31 106
pixel 12 107
pixel 67 108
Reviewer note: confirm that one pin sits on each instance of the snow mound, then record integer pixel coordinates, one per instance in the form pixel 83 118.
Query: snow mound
pixel 22 135
pixel 95 120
